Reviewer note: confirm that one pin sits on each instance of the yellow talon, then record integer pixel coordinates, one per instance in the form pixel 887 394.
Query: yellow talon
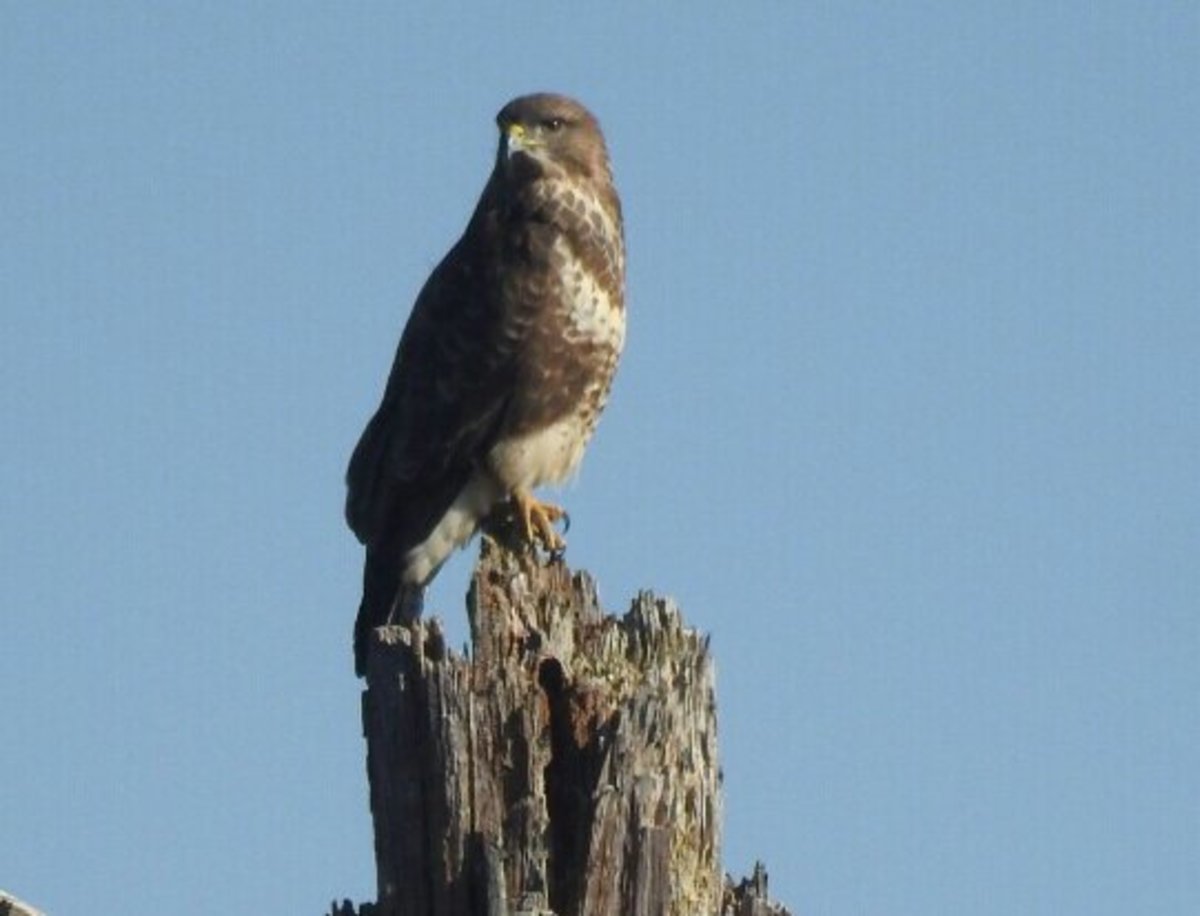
pixel 537 521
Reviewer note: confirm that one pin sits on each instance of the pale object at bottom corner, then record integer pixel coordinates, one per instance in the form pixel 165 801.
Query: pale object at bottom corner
pixel 11 906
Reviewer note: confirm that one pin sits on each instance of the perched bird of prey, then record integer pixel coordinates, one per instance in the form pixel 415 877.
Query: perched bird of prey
pixel 504 366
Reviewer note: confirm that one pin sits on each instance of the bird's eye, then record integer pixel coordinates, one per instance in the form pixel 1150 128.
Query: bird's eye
pixel 554 124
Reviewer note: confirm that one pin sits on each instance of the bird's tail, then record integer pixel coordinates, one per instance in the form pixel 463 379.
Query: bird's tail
pixel 385 599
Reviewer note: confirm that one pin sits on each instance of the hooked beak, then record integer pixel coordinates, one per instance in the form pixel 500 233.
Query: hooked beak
pixel 516 140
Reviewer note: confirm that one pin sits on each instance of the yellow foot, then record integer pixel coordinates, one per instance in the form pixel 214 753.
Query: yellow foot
pixel 537 521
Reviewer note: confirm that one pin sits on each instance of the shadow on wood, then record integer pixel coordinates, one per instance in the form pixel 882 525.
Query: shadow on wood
pixel 568 766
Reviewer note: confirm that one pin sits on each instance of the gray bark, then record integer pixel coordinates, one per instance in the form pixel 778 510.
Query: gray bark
pixel 567 765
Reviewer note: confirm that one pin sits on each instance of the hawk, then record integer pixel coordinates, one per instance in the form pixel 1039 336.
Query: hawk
pixel 504 366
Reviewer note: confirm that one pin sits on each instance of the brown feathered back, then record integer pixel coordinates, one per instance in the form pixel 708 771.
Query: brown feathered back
pixel 507 358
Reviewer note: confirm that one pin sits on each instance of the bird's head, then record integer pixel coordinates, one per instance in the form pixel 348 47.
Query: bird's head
pixel 550 132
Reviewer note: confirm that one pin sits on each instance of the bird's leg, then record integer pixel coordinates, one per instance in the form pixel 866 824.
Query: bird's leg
pixel 537 521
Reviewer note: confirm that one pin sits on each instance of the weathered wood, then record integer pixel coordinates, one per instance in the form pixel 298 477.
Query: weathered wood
pixel 567 765
pixel 748 897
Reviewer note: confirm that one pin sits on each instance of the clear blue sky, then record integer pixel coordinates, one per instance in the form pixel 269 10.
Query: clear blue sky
pixel 909 420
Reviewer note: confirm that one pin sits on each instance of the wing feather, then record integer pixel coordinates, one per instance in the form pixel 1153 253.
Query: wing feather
pixel 444 402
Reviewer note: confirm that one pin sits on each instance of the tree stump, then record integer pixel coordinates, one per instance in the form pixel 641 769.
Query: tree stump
pixel 567 766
